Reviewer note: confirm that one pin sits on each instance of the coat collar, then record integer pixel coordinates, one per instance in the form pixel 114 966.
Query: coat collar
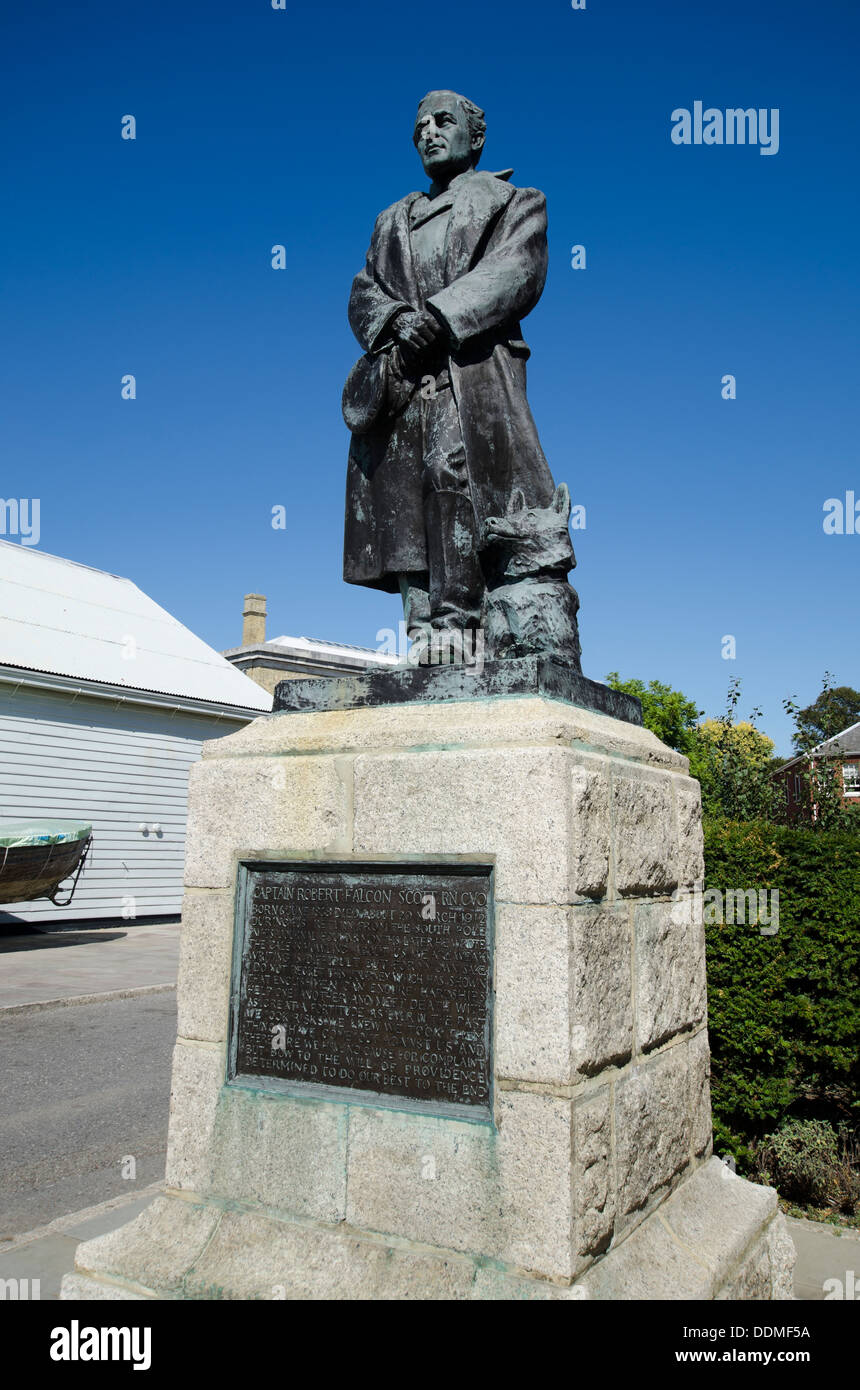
pixel 474 198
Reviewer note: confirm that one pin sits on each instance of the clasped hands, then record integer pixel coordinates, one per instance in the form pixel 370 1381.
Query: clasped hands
pixel 417 333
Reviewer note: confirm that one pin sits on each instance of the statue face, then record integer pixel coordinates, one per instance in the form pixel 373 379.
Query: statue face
pixel 442 137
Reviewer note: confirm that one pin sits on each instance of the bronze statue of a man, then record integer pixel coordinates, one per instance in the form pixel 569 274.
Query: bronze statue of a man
pixel 442 434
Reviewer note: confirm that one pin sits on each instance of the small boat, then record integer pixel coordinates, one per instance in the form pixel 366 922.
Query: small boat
pixel 36 856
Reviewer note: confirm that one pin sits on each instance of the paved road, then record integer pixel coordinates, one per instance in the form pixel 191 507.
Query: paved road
pixel 80 1088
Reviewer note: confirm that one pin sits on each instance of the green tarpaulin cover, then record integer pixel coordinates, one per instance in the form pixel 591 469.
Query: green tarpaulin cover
pixel 15 834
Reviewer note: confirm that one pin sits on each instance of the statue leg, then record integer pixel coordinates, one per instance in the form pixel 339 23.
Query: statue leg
pixel 455 578
pixel 452 553
pixel 415 594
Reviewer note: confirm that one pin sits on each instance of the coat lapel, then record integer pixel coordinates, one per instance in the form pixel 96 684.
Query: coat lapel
pixel 479 198
pixel 394 266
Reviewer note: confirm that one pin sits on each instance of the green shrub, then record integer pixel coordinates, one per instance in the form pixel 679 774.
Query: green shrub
pixel 802 1160
pixel 848 1177
pixel 809 1163
pixel 784 1010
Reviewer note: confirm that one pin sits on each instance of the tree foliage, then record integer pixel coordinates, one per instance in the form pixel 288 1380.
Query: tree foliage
pixel 752 745
pixel 666 712
pixel 732 761
pixel 835 709
pixel 822 804
pixel 784 1010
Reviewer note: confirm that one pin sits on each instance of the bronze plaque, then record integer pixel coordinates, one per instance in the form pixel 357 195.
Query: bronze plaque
pixel 367 978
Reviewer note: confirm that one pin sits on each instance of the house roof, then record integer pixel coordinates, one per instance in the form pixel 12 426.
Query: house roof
pixel 310 652
pixel 846 743
pixel 66 619
pixel 317 647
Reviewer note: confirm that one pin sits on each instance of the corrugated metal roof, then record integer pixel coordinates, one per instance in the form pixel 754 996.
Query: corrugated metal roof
pixel 66 619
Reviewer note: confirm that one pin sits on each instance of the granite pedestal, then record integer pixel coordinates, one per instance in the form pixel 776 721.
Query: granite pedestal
pixel 590 1175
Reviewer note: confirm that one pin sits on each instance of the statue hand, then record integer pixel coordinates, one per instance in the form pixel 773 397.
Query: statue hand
pixel 417 332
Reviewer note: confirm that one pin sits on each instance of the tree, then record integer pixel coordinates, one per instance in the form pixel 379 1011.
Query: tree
pixel 835 709
pixel 822 804
pixel 750 742
pixel 666 712
pixel 732 760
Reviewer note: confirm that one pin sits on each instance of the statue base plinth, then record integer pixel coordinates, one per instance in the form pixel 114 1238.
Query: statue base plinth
pixel 589 1173
pixel 395 685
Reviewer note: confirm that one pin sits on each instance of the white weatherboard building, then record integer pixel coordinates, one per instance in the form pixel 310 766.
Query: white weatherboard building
pixel 105 700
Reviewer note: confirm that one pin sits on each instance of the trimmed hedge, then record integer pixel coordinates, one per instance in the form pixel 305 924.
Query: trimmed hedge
pixel 784 1010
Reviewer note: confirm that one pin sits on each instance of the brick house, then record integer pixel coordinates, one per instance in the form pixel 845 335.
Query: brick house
pixel 845 747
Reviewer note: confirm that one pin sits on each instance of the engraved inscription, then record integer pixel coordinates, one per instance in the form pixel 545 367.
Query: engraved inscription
pixel 367 979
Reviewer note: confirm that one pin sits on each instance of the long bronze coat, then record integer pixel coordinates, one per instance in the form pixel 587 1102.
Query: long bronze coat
pixel 496 261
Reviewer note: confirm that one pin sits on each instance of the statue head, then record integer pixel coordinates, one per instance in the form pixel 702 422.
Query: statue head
pixel 449 135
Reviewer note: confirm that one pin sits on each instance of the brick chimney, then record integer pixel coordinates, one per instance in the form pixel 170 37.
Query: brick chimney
pixel 254 620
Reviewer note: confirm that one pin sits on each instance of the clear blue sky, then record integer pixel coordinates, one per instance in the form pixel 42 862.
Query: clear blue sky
pixel 257 126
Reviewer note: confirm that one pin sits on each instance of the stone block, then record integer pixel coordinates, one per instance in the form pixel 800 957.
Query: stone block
pixel 590 827
pixel 162 1241
pixel 688 802
pixel 670 969
pixel 751 1282
pixel 532 985
pixel 766 1272
pixel 592 1179
pixel 644 833
pixel 648 1265
pixel 205 956
pixel 701 1121
pixel 512 805
pixel 563 991
pixel 783 1257
pixel 717 1215
pixel 502 1191
pixel 652 1128
pixel 79 1287
pixel 254 1257
pixel 525 721
pixel 241 806
pixel 716 1236
pixel 493 1283
pixel 601 998
pixel 287 1155
pixel 198 1074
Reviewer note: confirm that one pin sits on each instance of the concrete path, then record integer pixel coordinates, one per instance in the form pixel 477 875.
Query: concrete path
pixel 825 1253
pixel 118 960
pixel 45 1255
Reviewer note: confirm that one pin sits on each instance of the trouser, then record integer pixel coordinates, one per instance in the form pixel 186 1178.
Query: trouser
pixel 449 594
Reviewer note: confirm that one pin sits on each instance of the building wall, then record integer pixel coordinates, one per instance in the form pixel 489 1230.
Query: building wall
pixel 116 766
pixel 269 676
pixel 796 790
